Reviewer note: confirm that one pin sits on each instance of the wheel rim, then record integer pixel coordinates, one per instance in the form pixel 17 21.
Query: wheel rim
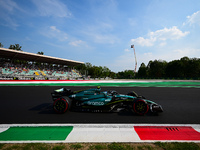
pixel 140 107
pixel 60 105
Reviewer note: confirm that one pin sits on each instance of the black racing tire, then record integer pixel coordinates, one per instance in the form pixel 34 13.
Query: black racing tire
pixel 61 105
pixel 140 107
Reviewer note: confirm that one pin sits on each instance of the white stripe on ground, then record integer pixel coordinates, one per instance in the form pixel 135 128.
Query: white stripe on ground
pixel 2 129
pixel 196 127
pixel 95 134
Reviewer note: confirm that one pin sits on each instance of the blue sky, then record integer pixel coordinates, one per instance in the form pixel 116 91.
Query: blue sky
pixel 102 31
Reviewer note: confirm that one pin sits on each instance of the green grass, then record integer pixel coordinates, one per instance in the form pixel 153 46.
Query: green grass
pixel 1 145
pixel 59 147
pixel 97 147
pixel 145 147
pixel 178 146
pixel 102 146
pixel 76 146
pixel 39 146
pixel 116 146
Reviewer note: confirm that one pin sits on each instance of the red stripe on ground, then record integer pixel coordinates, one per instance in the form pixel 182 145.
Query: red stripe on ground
pixel 167 133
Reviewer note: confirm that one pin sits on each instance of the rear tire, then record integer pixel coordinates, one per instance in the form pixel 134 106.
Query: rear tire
pixel 140 107
pixel 61 105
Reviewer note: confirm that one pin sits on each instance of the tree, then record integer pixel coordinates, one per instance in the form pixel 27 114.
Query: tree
pixel 193 68
pixel 82 69
pixel 40 53
pixel 142 72
pixel 174 69
pixel 106 72
pixel 157 68
pixel 1 45
pixel 127 74
pixel 95 71
pixel 15 47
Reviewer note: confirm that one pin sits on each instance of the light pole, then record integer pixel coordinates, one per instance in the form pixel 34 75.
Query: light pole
pixel 132 46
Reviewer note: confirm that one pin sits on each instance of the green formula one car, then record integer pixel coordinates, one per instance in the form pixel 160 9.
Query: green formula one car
pixel 95 100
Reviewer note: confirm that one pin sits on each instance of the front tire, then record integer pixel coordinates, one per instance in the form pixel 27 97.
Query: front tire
pixel 61 105
pixel 140 107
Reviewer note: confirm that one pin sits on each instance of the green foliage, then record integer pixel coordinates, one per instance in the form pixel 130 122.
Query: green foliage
pixel 16 47
pixel 185 68
pixel 1 45
pixel 94 71
pixel 142 72
pixel 127 74
pixel 40 53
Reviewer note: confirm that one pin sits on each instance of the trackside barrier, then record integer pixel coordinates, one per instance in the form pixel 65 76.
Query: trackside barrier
pixel 70 133
pixel 129 83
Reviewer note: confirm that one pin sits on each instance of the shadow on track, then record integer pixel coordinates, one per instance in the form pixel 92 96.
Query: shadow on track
pixel 45 108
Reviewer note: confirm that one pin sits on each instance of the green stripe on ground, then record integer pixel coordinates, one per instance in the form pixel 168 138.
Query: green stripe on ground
pixel 124 84
pixel 35 133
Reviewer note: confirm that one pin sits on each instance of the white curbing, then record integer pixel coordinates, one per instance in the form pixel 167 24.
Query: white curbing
pixel 96 134
pixel 99 133
pixel 2 129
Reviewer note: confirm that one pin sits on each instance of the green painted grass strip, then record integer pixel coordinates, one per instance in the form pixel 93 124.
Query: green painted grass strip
pixel 131 84
pixel 35 133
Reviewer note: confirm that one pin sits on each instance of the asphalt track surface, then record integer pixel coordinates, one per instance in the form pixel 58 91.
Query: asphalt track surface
pixel 33 104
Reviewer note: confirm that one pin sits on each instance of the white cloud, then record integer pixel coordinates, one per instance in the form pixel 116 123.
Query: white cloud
pixel 53 28
pixel 172 33
pixel 53 32
pixel 148 54
pixel 125 61
pixel 193 19
pixel 78 43
pixel 162 44
pixel 8 8
pixel 143 42
pixel 160 36
pixel 104 38
pixel 189 52
pixel 52 8
pixel 100 32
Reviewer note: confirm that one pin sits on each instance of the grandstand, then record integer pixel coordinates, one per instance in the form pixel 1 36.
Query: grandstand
pixel 19 65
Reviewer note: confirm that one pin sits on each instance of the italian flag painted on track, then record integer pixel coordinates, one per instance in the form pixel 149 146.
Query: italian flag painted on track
pixel 54 133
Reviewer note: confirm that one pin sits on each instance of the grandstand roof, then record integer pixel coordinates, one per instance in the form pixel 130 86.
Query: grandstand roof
pixel 14 54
